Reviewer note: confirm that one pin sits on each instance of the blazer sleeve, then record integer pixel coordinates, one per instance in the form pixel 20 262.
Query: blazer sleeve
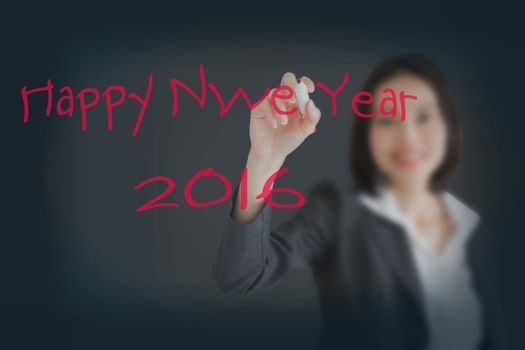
pixel 254 257
pixel 492 268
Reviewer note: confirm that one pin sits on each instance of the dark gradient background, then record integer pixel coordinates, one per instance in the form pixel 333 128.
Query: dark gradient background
pixel 84 271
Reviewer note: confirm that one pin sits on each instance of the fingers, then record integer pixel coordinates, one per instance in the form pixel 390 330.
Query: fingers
pixel 272 114
pixel 282 118
pixel 313 115
pixel 265 111
pixel 289 79
pixel 274 117
pixel 309 84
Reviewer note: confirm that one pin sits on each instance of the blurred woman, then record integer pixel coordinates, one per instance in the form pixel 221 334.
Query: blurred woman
pixel 399 262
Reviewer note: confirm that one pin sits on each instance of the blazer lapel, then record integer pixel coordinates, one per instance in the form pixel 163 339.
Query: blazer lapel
pixel 394 247
pixel 482 256
pixel 388 234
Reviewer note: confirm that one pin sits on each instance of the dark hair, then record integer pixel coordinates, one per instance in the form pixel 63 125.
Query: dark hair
pixel 364 172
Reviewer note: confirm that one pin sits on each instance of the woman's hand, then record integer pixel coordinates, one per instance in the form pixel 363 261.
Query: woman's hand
pixel 273 136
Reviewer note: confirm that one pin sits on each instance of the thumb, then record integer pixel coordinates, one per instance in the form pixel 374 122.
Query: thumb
pixel 312 117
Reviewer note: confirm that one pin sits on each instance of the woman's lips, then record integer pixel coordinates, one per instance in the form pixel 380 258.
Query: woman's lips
pixel 407 160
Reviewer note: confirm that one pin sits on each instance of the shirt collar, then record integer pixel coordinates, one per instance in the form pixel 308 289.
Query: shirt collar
pixel 385 204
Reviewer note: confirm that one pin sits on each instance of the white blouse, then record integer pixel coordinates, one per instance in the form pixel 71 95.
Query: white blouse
pixel 452 308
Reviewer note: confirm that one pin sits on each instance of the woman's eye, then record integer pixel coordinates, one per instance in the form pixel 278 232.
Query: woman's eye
pixel 386 121
pixel 422 118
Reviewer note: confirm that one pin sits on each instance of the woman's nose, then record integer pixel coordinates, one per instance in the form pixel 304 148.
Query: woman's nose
pixel 408 134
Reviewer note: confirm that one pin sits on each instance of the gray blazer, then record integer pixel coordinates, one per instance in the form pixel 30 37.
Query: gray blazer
pixel 370 294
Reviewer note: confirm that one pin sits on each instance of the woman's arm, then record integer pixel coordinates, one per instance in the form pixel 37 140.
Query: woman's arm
pixel 259 170
pixel 253 257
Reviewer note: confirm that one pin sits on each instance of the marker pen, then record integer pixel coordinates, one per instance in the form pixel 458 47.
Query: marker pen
pixel 301 93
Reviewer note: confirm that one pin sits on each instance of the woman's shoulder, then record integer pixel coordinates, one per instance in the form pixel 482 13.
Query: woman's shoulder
pixel 339 199
pixel 330 189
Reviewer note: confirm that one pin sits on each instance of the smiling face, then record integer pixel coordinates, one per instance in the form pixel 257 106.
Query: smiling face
pixel 408 152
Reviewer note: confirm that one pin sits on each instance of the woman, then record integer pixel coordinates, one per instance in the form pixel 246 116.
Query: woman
pixel 399 262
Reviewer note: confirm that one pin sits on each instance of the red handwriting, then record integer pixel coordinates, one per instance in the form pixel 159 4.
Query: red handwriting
pixel 89 98
pixel 210 172
pixel 277 95
pixel 116 95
